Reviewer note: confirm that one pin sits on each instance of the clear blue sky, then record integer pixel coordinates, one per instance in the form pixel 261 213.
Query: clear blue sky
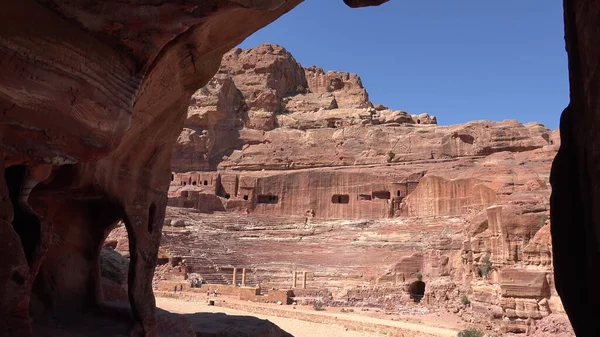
pixel 460 60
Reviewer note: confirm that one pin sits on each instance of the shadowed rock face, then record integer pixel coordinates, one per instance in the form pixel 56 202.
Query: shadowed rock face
pixel 92 97
pixel 575 173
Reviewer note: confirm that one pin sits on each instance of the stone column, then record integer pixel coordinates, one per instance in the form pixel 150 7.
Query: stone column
pixel 497 239
pixel 243 277
pixel 303 280
pixel 144 226
pixel 294 279
pixel 234 276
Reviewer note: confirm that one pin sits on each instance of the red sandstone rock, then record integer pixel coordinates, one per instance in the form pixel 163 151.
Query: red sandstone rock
pixel 445 201
pixel 346 88
pixel 99 92
pixel 553 326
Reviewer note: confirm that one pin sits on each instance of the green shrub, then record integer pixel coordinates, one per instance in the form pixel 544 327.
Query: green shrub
pixel 486 266
pixel 318 306
pixel 301 90
pixel 470 333
pixel 391 156
pixel 464 300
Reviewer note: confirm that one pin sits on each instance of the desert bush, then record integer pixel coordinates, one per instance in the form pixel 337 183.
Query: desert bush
pixel 486 266
pixel 464 300
pixel 301 90
pixel 318 306
pixel 391 156
pixel 470 333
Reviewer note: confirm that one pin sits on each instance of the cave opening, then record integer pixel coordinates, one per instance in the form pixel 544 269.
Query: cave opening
pixel 25 222
pixel 340 199
pixel 194 183
pixel 172 177
pixel 267 199
pixel 151 215
pixel 245 197
pixel 381 194
pixel 205 182
pixel 417 290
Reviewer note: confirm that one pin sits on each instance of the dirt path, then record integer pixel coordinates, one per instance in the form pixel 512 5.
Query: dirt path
pixel 296 327
pixel 309 324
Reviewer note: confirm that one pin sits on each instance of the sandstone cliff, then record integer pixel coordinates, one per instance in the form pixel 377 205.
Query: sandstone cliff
pixel 361 197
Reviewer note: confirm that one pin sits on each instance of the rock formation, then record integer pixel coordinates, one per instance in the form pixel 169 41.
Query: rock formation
pixel 92 98
pixel 575 174
pixel 361 197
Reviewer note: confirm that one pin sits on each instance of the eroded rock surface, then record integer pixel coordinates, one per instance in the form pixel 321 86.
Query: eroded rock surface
pixel 364 198
pixel 92 99
pixel 575 173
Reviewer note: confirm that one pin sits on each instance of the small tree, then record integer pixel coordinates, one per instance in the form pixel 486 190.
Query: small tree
pixel 486 266
pixel 470 333
pixel 301 89
pixel 318 306
pixel 464 300
pixel 391 156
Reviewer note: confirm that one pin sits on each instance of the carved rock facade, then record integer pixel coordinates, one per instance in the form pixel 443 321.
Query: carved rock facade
pixel 464 205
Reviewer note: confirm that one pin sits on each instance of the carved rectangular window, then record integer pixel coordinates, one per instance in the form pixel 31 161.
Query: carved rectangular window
pixel 381 194
pixel 340 198
pixel 267 199
pixel 364 197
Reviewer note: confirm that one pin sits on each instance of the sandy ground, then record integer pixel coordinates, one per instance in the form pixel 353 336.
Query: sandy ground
pixel 295 327
pixel 301 328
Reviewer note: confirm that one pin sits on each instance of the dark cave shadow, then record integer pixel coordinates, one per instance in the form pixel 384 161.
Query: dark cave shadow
pixel 221 324
pixel 114 320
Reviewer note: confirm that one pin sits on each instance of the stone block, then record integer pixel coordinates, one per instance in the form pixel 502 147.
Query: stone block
pixel 524 283
pixel 248 293
pixel 484 294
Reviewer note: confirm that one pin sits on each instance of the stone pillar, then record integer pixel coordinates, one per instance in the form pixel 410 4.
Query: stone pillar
pixel 234 276
pixel 303 280
pixel 294 279
pixel 243 277
pixel 497 240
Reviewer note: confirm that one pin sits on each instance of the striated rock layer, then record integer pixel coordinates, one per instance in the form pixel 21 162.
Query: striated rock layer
pixel 313 177
pixel 92 97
